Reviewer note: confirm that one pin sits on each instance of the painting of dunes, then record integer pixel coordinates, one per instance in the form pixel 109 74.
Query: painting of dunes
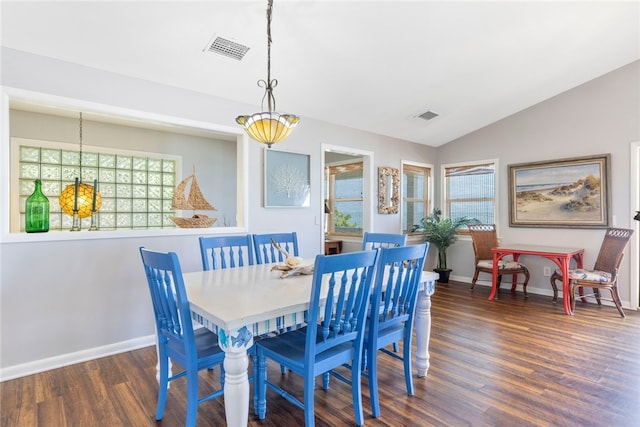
pixel 560 193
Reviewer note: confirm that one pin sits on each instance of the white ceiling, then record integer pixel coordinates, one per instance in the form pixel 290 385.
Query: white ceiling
pixel 372 65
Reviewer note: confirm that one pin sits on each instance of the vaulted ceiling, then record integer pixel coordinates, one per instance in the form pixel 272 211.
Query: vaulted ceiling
pixel 372 65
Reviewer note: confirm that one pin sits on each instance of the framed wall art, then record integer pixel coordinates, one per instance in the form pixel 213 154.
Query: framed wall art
pixel 286 179
pixel 570 193
pixel 388 188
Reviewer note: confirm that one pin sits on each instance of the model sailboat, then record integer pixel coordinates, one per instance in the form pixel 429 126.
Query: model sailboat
pixel 195 201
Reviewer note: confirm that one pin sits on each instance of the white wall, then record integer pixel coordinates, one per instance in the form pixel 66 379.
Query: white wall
pixel 64 301
pixel 601 116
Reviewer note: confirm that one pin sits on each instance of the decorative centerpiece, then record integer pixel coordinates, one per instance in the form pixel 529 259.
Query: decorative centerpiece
pixel 292 264
pixel 195 201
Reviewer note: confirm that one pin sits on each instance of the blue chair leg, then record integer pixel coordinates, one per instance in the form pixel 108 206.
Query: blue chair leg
pixel 222 377
pixel 260 383
pixel 192 397
pixel 255 380
pixel 356 393
pixel 372 369
pixel 309 408
pixel 406 342
pixel 163 383
pixel 325 381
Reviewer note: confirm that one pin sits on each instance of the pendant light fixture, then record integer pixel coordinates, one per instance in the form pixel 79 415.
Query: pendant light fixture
pixel 268 127
pixel 80 200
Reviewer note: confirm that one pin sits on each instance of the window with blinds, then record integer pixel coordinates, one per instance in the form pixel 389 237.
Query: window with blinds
pixel 470 190
pixel 345 200
pixel 415 195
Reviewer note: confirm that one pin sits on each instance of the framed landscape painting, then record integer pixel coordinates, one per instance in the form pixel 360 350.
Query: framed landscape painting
pixel 570 193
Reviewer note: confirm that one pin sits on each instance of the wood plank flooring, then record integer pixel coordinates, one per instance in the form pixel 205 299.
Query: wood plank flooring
pixel 510 362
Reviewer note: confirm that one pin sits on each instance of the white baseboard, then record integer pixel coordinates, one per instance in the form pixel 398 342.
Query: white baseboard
pixel 41 365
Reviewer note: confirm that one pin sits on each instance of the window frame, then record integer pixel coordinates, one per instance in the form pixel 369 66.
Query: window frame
pixel 445 203
pixel 428 188
pixel 349 165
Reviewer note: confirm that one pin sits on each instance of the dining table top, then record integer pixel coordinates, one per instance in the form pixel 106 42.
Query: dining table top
pixel 234 297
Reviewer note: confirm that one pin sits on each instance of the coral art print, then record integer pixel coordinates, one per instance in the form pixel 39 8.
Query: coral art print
pixel 286 179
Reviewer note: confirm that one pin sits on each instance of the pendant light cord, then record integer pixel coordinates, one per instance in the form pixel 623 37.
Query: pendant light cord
pixel 80 146
pixel 269 84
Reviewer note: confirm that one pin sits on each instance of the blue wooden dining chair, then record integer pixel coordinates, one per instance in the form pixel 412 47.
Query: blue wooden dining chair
pixel 333 335
pixel 226 251
pixel 267 254
pixel 382 240
pixel 392 316
pixel 194 350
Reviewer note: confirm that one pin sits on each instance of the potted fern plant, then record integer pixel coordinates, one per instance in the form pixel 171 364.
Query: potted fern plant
pixel 442 232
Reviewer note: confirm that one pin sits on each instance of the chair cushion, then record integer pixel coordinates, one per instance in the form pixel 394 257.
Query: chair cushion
pixel 502 265
pixel 590 275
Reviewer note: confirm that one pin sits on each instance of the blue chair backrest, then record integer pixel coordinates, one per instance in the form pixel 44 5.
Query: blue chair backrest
pixel 348 278
pixel 382 240
pixel 226 251
pixel 169 297
pixel 396 286
pixel 267 254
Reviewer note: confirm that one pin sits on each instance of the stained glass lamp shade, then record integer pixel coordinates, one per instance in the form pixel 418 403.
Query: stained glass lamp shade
pixel 85 200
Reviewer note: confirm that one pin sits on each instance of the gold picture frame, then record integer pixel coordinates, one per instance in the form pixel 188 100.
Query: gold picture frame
pixel 564 193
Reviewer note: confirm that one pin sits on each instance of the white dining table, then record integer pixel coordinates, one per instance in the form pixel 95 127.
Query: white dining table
pixel 240 303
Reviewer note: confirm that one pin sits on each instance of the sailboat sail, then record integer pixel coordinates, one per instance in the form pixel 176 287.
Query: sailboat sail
pixel 179 201
pixel 196 198
pixel 195 201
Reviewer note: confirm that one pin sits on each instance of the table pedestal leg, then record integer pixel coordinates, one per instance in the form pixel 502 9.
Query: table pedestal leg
pixel 236 379
pixel 423 328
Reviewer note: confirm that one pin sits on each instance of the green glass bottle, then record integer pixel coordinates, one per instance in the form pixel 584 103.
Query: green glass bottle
pixel 37 211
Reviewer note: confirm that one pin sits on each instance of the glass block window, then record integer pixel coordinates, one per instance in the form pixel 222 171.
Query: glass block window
pixel 136 188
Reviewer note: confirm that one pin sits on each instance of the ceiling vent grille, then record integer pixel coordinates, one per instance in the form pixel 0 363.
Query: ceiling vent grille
pixel 227 47
pixel 428 115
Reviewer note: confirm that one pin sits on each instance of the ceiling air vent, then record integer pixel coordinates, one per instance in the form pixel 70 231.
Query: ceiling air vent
pixel 227 47
pixel 428 115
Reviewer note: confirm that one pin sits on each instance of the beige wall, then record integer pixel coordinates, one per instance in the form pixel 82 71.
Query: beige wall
pixel 600 116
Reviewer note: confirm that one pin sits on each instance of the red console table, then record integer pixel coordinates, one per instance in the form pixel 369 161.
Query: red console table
pixel 560 256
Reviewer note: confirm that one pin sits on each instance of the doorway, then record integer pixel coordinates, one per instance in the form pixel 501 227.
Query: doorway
pixel 635 240
pixel 333 155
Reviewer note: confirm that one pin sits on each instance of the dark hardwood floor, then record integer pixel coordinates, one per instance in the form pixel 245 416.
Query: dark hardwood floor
pixel 510 362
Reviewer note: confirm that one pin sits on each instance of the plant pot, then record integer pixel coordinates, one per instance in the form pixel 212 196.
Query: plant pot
pixel 443 273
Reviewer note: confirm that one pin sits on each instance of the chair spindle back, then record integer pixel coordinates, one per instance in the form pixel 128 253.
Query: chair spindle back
pixel 226 251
